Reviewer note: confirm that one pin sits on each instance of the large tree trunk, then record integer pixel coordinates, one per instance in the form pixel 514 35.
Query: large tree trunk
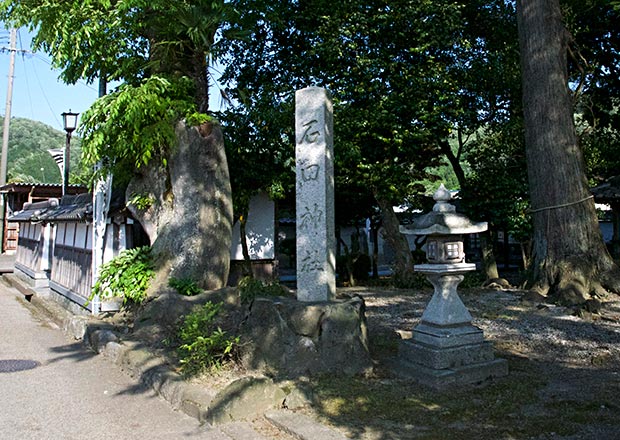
pixel 404 276
pixel 189 220
pixel 489 263
pixel 569 258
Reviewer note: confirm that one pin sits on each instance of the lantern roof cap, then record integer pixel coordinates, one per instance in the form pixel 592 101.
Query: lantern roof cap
pixel 443 219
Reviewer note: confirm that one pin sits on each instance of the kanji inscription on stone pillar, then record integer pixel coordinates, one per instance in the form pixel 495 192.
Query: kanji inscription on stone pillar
pixel 314 156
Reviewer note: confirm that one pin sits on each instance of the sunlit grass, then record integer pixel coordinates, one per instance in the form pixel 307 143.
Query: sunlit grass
pixel 507 408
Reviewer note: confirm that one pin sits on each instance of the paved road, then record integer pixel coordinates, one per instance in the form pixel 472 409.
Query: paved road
pixel 72 393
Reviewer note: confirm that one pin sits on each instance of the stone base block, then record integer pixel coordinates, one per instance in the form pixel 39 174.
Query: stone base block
pixel 447 336
pixel 463 375
pixel 442 358
pixel 34 279
pixel 292 338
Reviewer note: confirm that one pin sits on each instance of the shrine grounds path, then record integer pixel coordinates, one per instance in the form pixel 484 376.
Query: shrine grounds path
pixel 54 388
pixel 564 379
pixel 563 383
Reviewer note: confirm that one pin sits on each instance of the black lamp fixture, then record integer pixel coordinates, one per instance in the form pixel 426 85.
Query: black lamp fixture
pixel 69 121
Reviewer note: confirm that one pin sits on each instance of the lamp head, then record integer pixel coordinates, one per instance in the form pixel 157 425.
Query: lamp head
pixel 69 121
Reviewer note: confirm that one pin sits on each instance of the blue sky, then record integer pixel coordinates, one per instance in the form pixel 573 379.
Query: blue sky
pixel 37 92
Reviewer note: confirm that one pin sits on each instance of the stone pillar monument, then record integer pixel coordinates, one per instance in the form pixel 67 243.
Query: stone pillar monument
pixel 314 157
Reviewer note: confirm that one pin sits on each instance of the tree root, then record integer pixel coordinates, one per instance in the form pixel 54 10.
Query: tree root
pixel 576 283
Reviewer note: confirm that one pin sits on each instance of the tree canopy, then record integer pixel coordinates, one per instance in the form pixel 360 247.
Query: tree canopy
pixel 159 50
pixel 416 85
pixel 143 130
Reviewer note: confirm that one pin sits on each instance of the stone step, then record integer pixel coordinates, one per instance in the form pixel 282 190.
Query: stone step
pixel 236 431
pixel 301 426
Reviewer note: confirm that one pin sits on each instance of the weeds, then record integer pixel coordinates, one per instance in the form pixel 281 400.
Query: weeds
pixel 126 276
pixel 203 345
pixel 250 288
pixel 184 286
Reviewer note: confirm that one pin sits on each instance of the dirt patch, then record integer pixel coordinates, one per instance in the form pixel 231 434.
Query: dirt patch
pixel 563 383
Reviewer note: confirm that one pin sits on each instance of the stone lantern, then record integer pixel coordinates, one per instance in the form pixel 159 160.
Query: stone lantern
pixel 445 347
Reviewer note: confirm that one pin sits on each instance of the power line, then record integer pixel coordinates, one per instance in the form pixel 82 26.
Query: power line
pixel 27 85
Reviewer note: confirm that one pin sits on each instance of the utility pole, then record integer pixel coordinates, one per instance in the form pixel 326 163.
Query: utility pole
pixel 5 137
pixel 7 112
pixel 102 192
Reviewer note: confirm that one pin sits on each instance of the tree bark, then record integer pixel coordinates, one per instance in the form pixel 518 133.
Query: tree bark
pixel 404 276
pixel 489 264
pixel 189 221
pixel 488 256
pixel 374 230
pixel 346 258
pixel 569 259
pixel 455 162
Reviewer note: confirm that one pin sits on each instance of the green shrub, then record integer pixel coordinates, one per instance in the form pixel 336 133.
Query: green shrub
pixel 203 345
pixel 126 276
pixel 184 286
pixel 142 202
pixel 250 288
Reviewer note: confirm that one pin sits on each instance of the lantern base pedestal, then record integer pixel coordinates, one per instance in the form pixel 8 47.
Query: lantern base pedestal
pixel 439 356
pixel 447 337
pixel 446 377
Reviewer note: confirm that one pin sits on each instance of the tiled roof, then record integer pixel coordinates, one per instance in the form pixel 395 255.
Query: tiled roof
pixel 32 211
pixel 71 208
pixel 608 191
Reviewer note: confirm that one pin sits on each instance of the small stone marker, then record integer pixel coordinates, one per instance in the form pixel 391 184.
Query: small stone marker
pixel 314 157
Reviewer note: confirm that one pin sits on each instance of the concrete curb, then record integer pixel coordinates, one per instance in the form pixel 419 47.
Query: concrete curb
pixel 153 372
pixel 301 426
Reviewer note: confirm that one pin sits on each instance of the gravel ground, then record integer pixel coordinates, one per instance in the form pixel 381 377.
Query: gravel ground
pixel 542 332
pixel 564 378
pixel 571 359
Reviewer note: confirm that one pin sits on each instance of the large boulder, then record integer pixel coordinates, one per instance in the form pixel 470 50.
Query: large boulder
pixel 290 338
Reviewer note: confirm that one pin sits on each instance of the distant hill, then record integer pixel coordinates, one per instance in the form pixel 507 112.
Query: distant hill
pixel 28 158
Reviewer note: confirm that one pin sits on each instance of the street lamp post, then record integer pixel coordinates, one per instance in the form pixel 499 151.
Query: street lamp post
pixel 69 120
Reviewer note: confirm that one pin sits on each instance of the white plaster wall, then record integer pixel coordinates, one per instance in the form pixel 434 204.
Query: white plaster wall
pixel 260 231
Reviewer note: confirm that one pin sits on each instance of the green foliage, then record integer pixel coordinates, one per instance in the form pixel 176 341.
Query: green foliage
pixel 417 282
pixel 127 276
pixel 362 264
pixel 196 118
pixel 185 286
pixel 497 187
pixel 203 345
pixel 157 49
pixel 124 39
pixel 135 124
pixel 141 201
pixel 250 288
pixel 472 280
pixel 376 81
